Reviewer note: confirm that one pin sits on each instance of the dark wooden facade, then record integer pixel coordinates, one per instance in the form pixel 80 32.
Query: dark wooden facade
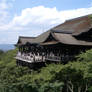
pixel 59 45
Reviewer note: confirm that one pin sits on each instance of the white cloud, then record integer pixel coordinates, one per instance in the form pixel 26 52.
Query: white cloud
pixel 5 5
pixel 32 21
pixel 46 16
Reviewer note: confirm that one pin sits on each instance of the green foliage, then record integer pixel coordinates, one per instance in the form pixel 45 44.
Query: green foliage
pixel 41 80
pixel 51 87
pixel 9 72
pixel 90 16
pixel 1 53
pixel 72 77
pixel 87 56
pixel 21 79
pixel 90 89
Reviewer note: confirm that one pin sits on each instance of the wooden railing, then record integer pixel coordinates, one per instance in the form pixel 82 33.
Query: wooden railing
pixel 53 58
pixel 38 58
pixel 35 58
pixel 30 57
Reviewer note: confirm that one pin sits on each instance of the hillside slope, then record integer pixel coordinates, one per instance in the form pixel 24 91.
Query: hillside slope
pixel 72 77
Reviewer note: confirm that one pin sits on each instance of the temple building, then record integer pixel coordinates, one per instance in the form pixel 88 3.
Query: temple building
pixel 59 44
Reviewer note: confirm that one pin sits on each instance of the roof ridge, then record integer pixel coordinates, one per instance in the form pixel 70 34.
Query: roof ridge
pixel 71 20
pixel 26 37
pixel 78 17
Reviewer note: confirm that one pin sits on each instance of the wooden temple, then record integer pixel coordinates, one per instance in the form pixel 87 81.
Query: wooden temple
pixel 59 44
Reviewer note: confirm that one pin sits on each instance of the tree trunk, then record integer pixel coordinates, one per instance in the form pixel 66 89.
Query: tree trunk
pixel 86 88
pixel 67 88
pixel 70 86
pixel 79 89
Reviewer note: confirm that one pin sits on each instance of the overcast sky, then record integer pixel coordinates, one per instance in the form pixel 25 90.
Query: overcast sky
pixel 33 17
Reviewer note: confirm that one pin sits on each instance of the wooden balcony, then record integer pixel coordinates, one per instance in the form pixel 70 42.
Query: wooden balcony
pixel 24 59
pixel 30 58
pixel 38 58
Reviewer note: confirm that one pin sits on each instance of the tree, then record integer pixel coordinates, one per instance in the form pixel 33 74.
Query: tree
pixel 85 57
pixel 73 76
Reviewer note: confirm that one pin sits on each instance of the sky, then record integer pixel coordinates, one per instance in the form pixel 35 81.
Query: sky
pixel 33 17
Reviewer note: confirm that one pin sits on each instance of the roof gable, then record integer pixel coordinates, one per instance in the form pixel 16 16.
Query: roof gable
pixel 23 40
